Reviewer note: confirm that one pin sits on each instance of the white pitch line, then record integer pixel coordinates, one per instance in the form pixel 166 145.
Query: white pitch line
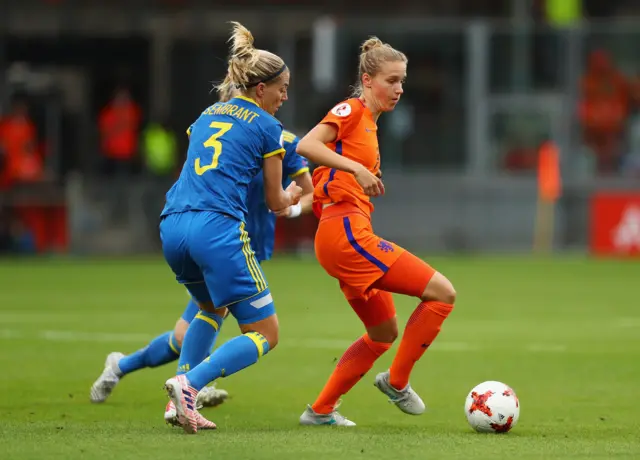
pixel 546 348
pixel 8 334
pixel 36 318
pixel 321 344
pixel 626 323
pixel 313 343
pixel 74 336
pixel 455 346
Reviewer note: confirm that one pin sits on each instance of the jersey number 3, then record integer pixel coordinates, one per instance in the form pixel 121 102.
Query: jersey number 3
pixel 214 143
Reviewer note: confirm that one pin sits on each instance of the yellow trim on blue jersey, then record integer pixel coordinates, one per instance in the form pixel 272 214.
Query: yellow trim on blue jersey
pixel 299 172
pixel 248 99
pixel 252 264
pixel 173 347
pixel 288 137
pixel 206 319
pixel 279 151
pixel 259 340
pixel 189 131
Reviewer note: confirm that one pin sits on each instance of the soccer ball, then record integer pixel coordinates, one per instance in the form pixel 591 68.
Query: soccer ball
pixel 492 407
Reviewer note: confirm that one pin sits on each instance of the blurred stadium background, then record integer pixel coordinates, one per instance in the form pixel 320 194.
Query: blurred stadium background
pixel 490 83
pixel 519 133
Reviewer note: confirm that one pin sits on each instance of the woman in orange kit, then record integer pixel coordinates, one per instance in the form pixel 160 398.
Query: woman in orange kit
pixel 368 267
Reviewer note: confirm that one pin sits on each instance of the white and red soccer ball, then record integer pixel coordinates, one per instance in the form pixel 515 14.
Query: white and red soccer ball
pixel 492 407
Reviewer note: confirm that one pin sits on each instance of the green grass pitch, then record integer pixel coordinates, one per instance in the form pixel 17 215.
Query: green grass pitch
pixel 564 333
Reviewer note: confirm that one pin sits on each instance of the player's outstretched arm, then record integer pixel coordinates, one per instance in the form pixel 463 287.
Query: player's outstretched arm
pixel 312 146
pixel 278 199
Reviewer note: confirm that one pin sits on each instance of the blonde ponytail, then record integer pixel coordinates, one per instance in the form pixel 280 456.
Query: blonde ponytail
pixel 248 66
pixel 369 44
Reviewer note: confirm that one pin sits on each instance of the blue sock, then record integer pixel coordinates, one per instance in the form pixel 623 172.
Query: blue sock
pixel 229 358
pixel 198 340
pixel 161 350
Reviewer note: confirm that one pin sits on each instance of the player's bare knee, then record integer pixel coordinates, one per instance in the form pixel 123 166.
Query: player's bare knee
pixel 386 332
pixel 271 335
pixel 448 294
pixel 267 328
pixel 385 337
pixel 393 333
pixel 272 340
pixel 439 289
pixel 179 338
pixel 179 331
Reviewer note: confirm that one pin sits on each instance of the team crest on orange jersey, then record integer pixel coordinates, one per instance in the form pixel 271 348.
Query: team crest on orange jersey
pixel 341 110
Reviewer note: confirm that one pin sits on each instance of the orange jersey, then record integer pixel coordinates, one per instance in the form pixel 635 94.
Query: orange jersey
pixel 357 140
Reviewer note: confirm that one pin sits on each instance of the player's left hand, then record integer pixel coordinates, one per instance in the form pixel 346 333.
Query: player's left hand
pixel 286 212
pixel 295 191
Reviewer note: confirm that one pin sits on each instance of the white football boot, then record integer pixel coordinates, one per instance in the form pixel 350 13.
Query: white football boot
pixel 334 418
pixel 183 397
pixel 406 399
pixel 102 388
pixel 171 418
pixel 211 396
pixel 170 414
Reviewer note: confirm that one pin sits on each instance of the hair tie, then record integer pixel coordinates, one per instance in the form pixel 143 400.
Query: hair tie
pixel 267 79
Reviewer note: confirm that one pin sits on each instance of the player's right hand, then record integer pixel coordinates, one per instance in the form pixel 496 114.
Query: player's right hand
pixel 295 191
pixel 371 184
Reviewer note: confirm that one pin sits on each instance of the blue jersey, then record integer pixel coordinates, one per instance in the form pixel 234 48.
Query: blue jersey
pixel 261 223
pixel 227 145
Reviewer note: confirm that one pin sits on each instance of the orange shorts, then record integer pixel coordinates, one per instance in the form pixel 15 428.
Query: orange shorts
pixel 364 263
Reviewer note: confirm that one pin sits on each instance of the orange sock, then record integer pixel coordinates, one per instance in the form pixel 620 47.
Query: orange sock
pixel 422 329
pixel 353 365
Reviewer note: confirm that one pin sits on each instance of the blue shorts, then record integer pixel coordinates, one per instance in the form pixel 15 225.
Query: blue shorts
pixel 211 255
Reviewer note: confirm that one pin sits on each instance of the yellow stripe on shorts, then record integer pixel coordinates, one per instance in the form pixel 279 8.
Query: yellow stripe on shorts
pixel 252 263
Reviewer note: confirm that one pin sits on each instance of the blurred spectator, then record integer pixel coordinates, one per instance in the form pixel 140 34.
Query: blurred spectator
pixel 519 138
pixel 560 13
pixel 550 45
pixel 18 137
pixel 160 149
pixel 520 158
pixel 119 124
pixel 15 237
pixel 604 108
pixel 520 146
pixel 160 154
